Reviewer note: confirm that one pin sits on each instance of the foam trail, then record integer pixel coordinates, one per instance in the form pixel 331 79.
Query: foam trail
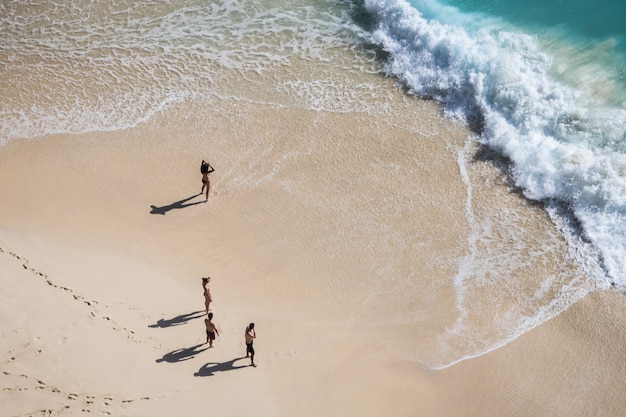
pixel 479 293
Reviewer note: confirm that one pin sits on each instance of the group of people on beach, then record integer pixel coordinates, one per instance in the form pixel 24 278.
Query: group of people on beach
pixel 211 328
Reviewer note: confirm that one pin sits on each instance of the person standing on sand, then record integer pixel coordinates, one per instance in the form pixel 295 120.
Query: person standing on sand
pixel 207 293
pixel 211 330
pixel 250 336
pixel 205 170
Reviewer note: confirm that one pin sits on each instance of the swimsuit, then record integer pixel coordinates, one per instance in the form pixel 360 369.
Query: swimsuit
pixel 249 348
pixel 210 335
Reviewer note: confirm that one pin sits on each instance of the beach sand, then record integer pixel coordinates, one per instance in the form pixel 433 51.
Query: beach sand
pixel 104 240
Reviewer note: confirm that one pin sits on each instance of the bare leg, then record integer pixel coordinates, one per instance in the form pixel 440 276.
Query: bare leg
pixel 208 186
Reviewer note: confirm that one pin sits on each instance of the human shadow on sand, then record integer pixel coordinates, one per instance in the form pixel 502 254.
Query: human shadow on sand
pixel 178 320
pixel 180 355
pixel 209 369
pixel 177 205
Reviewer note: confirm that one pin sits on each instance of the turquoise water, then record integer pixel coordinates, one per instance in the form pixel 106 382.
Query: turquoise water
pixel 579 36
pixel 597 20
pixel 583 23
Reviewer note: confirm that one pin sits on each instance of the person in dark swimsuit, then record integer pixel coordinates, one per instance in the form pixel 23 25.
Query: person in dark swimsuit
pixel 250 336
pixel 211 329
pixel 206 169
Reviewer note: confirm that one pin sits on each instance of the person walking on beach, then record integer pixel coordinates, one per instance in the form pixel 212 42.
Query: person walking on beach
pixel 207 293
pixel 211 330
pixel 205 170
pixel 250 336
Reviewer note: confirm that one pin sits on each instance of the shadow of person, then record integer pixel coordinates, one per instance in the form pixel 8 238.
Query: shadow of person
pixel 183 354
pixel 177 205
pixel 208 369
pixel 178 320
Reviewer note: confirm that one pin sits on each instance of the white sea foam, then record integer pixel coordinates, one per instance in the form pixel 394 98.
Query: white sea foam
pixel 566 143
pixel 84 65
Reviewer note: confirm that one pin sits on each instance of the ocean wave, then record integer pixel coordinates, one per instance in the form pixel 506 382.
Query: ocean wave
pixel 566 143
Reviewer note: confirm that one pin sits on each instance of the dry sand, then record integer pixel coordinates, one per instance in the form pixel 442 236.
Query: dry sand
pixel 103 241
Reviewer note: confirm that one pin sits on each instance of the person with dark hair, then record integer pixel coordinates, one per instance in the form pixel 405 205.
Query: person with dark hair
pixel 205 170
pixel 211 329
pixel 250 336
pixel 207 293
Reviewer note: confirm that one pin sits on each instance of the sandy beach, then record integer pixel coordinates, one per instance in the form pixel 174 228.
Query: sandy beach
pixel 104 239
